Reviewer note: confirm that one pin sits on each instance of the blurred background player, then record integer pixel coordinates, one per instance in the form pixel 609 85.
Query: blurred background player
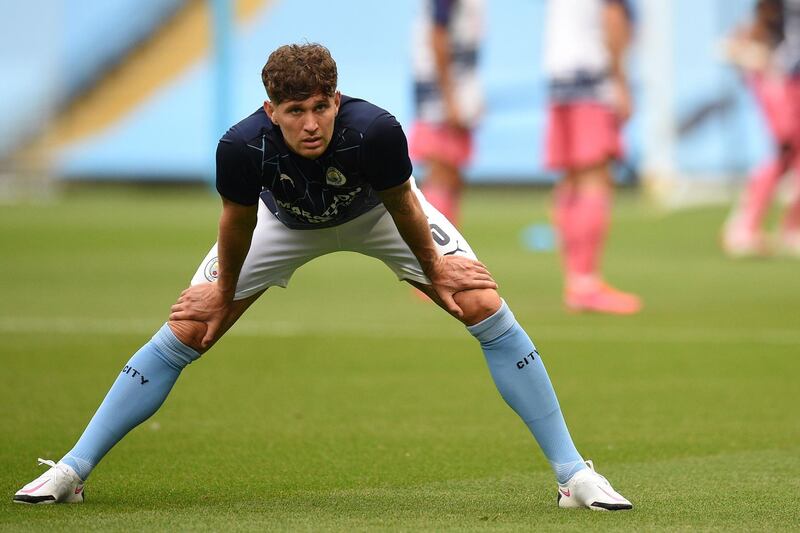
pixel 585 45
pixel 789 58
pixel 753 48
pixel 448 96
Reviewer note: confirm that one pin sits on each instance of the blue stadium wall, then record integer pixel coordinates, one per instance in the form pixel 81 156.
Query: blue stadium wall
pixel 173 134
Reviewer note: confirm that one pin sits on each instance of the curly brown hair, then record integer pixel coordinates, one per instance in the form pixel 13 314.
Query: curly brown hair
pixel 299 71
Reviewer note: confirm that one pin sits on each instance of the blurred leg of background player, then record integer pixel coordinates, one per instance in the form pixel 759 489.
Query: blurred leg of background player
pixel 582 140
pixel 789 232
pixel 789 236
pixel 744 234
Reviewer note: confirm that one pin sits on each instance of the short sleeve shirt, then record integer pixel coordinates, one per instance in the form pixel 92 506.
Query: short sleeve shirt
pixel 367 153
pixel 789 50
pixel 576 57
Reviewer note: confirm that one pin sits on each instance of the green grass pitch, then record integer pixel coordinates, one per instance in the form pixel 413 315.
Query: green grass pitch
pixel 346 404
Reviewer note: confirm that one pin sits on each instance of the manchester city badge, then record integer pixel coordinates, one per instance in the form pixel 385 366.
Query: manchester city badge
pixel 212 269
pixel 334 177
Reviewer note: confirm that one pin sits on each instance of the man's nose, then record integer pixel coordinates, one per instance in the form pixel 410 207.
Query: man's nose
pixel 310 123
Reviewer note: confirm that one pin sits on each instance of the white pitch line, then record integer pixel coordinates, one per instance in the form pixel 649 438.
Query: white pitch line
pixel 293 329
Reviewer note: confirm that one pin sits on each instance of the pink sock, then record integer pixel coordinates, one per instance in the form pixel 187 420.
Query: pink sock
pixel 444 200
pixel 590 220
pixel 564 198
pixel 791 218
pixel 758 194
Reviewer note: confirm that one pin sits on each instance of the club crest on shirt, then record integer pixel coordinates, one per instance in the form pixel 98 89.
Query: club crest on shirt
pixel 334 177
pixel 211 269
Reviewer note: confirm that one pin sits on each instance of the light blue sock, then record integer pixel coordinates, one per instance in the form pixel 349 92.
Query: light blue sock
pixel 522 380
pixel 137 393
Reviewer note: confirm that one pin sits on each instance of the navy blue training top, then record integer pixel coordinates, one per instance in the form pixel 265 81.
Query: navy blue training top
pixel 367 153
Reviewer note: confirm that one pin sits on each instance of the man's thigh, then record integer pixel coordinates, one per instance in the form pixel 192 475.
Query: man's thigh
pixel 375 234
pixel 275 253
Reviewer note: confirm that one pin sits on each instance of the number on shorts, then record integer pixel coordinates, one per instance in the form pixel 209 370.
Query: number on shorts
pixel 439 235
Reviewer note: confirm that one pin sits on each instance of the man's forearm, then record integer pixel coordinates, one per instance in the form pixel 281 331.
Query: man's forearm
pixel 411 222
pixel 440 41
pixel 618 37
pixel 236 227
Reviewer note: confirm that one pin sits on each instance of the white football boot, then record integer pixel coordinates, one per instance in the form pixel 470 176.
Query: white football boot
pixel 589 489
pixel 739 242
pixel 60 484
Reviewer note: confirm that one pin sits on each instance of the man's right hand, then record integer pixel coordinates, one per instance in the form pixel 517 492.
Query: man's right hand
pixel 204 303
pixel 622 99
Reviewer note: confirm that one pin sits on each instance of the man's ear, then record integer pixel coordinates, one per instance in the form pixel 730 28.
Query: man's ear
pixel 337 100
pixel 269 109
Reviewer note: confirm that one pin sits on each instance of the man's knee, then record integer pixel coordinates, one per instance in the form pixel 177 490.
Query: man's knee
pixel 477 304
pixel 595 174
pixel 189 332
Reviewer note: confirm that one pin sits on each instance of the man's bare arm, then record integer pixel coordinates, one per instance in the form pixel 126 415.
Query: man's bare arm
pixel 448 275
pixel 236 225
pixel 211 302
pixel 442 55
pixel 616 20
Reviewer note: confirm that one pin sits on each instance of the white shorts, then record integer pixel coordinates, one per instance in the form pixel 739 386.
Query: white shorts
pixel 277 251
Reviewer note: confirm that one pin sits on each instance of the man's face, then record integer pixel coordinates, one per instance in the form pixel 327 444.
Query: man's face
pixel 306 125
